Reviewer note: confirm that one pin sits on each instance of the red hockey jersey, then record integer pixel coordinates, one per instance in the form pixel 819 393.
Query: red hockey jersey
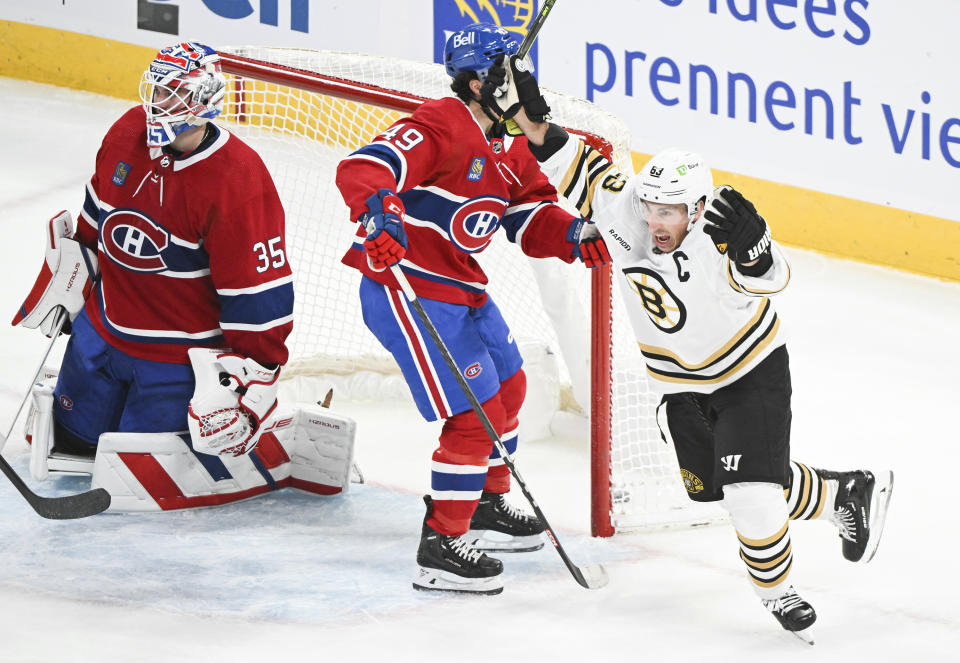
pixel 458 188
pixel 191 248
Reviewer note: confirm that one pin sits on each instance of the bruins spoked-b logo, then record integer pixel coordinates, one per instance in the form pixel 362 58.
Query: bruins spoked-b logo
pixel 663 308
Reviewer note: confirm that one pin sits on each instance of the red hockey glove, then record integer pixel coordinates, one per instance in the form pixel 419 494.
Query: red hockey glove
pixel 589 247
pixel 386 241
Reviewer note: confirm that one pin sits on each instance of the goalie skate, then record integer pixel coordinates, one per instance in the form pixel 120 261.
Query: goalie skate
pixel 498 526
pixel 451 564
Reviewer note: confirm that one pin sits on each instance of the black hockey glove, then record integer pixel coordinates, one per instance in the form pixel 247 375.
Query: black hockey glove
pixel 736 228
pixel 505 91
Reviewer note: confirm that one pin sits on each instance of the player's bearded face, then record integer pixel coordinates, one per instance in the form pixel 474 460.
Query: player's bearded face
pixel 668 223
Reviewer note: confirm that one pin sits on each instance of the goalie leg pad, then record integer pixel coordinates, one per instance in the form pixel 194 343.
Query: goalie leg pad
pixel 307 447
pixel 41 433
pixel 160 472
pixel 39 429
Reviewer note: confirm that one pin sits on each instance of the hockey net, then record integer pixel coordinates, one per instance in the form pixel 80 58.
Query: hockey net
pixel 303 111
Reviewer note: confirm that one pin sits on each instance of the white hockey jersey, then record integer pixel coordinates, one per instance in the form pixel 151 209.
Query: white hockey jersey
pixel 700 323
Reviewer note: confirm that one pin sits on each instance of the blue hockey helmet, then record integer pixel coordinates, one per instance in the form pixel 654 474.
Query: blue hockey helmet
pixel 182 88
pixel 476 48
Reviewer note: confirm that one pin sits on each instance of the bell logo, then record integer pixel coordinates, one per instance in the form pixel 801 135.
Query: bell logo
pixel 462 40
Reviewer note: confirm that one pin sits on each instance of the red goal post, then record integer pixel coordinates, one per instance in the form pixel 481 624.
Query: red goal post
pixel 301 109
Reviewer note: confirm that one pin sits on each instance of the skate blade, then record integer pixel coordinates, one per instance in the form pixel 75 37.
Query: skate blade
pixel 434 580
pixel 498 542
pixel 806 635
pixel 882 491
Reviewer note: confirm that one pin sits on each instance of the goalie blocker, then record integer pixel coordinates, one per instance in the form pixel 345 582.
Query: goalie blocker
pixel 304 446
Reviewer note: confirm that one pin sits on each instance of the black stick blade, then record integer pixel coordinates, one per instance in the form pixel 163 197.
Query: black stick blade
pixel 85 504
pixel 70 507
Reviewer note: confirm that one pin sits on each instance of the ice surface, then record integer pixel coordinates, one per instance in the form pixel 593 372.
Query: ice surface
pixel 875 363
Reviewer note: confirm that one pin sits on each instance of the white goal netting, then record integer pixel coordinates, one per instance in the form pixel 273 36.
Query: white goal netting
pixel 301 134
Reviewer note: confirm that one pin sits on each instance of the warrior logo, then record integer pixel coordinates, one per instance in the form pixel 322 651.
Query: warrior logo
pixel 663 308
pixel 473 224
pixel 731 463
pixel 134 241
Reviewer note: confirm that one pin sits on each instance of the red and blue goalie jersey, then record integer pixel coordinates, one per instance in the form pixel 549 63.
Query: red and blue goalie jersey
pixel 457 188
pixel 191 249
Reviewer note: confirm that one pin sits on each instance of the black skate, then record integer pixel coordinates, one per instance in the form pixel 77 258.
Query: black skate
pixel 497 526
pixel 793 613
pixel 860 510
pixel 450 564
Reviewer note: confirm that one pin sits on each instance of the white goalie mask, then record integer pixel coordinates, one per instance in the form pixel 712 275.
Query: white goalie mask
pixel 674 177
pixel 182 88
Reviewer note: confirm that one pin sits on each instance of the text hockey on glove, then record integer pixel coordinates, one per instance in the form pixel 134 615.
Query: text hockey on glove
pixel 386 241
pixel 735 227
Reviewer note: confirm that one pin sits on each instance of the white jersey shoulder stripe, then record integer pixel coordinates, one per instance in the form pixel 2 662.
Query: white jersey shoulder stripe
pixel 238 326
pixel 254 289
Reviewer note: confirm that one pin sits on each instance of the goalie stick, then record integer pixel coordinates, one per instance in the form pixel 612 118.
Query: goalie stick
pixel 69 507
pixel 593 576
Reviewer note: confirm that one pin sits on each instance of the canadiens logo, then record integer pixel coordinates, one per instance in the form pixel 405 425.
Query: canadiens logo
pixel 65 402
pixel 473 370
pixel 134 241
pixel 473 224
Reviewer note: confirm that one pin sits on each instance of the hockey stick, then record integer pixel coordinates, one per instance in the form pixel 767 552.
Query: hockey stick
pixel 81 505
pixel 534 29
pixel 593 576
pixel 55 508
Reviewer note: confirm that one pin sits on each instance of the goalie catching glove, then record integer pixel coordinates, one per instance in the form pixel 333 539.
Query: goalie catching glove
pixel 386 241
pixel 65 281
pixel 233 399
pixel 508 86
pixel 735 227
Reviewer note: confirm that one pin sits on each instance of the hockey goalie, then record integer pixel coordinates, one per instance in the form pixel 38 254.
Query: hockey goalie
pixel 178 297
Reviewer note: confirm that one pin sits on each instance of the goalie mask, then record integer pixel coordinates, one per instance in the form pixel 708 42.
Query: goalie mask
pixel 674 177
pixel 182 88
pixel 476 48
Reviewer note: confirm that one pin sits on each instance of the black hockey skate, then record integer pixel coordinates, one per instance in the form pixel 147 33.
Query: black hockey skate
pixel 451 564
pixel 860 510
pixel 498 526
pixel 793 613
